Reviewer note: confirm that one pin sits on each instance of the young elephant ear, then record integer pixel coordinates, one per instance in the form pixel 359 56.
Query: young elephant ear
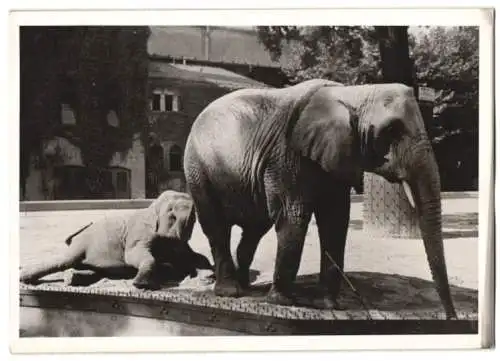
pixel 324 132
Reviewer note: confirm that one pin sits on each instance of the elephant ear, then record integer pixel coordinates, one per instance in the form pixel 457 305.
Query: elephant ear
pixel 280 115
pixel 141 225
pixel 324 132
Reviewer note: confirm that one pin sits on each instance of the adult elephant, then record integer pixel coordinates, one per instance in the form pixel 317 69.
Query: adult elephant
pixel 258 157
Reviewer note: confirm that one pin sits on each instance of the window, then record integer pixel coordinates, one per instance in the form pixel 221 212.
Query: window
pixel 78 182
pixel 67 115
pixel 175 158
pixel 169 102
pixel 156 104
pixel 165 101
pixel 122 181
pixel 71 182
pixel 112 119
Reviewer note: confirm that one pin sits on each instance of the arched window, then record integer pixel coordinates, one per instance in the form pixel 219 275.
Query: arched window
pixel 175 158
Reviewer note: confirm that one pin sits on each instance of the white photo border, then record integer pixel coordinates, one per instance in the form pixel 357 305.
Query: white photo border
pixel 375 16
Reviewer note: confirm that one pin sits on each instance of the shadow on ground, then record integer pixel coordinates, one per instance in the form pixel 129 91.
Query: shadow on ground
pixel 384 292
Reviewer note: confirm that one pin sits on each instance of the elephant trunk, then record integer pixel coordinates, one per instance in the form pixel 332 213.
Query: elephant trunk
pixel 427 190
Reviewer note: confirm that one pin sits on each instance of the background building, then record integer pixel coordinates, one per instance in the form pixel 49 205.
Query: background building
pixel 177 94
pixel 79 119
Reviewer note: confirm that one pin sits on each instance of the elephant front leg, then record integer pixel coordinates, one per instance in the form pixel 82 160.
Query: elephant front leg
pixel 142 259
pixel 332 218
pixel 291 229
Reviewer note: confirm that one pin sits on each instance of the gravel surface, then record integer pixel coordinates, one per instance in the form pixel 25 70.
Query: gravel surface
pixel 391 273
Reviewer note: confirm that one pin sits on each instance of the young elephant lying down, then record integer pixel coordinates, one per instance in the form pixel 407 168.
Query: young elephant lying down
pixel 141 244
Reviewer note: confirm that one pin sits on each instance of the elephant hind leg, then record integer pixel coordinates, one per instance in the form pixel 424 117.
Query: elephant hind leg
pixel 226 283
pixel 82 277
pixel 247 247
pixel 212 219
pixel 72 257
pixel 218 232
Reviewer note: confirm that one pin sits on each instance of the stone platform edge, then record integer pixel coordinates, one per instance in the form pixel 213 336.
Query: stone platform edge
pixel 257 318
pixel 73 205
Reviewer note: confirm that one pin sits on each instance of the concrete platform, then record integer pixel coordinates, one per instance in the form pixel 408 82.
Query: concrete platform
pixel 392 276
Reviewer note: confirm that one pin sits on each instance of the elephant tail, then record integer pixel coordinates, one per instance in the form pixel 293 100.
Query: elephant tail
pixel 70 237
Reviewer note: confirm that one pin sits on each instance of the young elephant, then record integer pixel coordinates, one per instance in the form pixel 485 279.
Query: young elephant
pixel 117 247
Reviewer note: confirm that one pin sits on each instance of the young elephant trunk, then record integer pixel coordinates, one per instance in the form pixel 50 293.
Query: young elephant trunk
pixel 426 187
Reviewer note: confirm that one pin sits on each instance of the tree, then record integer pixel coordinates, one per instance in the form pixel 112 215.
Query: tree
pixel 94 70
pixel 395 63
pixel 448 60
pixel 345 54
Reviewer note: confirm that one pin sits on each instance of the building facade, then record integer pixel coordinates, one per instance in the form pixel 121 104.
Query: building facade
pixel 189 68
pixel 178 93
pixel 59 172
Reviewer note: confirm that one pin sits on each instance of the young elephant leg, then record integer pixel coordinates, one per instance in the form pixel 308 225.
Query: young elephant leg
pixel 82 277
pixel 332 218
pixel 141 258
pixel 70 258
pixel 291 229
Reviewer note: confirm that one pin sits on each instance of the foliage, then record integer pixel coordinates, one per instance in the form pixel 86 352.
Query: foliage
pixel 443 57
pixel 448 60
pixel 345 54
pixel 94 70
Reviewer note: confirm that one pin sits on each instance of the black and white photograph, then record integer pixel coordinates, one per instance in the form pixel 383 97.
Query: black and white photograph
pixel 253 179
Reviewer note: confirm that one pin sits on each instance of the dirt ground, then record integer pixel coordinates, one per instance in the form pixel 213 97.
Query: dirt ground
pixel 383 269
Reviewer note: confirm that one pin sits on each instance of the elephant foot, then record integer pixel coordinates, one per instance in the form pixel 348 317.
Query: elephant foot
pixel 145 284
pixel 243 277
pixel 81 278
pixel 27 278
pixel 451 315
pixel 228 288
pixel 30 281
pixel 279 298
